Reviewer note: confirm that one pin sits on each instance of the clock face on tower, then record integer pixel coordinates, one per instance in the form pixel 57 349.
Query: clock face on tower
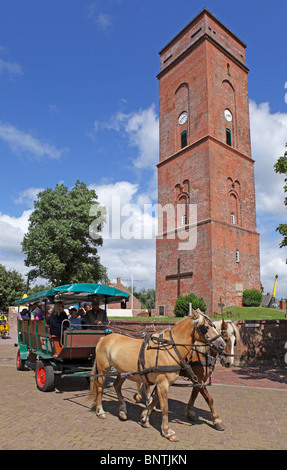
pixel 182 118
pixel 228 115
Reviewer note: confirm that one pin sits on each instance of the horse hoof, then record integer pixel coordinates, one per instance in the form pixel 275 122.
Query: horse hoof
pixel 173 438
pixel 137 398
pixel 219 427
pixel 191 417
pixel 144 424
pixel 123 416
pixel 102 416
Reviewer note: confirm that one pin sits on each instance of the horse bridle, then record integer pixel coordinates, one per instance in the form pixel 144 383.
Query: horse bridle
pixel 203 329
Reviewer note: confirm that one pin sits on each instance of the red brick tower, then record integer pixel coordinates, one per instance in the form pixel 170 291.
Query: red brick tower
pixel 205 164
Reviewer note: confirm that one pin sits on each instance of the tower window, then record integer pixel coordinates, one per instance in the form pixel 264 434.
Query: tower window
pixel 232 218
pixel 184 219
pixel 228 137
pixel 183 139
pixel 237 256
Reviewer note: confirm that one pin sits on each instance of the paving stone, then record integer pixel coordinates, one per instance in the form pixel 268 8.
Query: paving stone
pixel 251 402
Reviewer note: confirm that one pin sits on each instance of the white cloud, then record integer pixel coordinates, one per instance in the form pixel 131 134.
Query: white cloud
pixel 11 68
pixel 141 128
pixel 20 142
pixel 12 231
pixel 129 243
pixel 268 138
pixel 102 20
pixel 28 196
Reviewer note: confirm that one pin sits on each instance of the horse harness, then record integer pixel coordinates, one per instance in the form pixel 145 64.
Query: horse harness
pixel 182 366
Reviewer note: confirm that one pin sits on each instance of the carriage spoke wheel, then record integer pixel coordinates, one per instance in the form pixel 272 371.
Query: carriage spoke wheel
pixel 20 363
pixel 44 376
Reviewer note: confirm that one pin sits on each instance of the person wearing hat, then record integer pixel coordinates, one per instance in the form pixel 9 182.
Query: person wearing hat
pixel 96 315
pixel 24 314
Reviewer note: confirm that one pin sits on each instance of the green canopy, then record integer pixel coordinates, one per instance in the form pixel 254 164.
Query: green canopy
pixel 75 293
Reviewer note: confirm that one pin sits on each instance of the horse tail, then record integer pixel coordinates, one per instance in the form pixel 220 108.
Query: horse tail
pixel 93 382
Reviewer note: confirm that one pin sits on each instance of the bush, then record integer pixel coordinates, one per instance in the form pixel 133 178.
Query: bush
pixel 251 298
pixel 181 308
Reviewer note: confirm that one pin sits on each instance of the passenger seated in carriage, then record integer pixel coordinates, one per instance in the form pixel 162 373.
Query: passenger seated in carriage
pixel 75 321
pixel 58 315
pixel 96 316
pixel 37 311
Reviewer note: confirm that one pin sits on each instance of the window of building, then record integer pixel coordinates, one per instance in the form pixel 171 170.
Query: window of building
pixel 184 219
pixel 161 309
pixel 232 217
pixel 228 137
pixel 237 256
pixel 183 139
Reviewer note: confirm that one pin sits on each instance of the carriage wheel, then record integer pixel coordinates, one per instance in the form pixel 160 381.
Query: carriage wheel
pixel 20 363
pixel 44 376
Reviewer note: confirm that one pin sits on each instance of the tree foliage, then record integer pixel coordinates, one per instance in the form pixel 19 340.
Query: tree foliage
pixel 12 287
pixel 251 298
pixel 146 298
pixel 281 167
pixel 58 245
pixel 181 308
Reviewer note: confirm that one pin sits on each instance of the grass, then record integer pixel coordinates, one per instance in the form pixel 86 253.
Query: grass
pixel 231 313
pixel 251 313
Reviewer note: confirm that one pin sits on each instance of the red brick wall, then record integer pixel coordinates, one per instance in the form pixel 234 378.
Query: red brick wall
pixel 263 341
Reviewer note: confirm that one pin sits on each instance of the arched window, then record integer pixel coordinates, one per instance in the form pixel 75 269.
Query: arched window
pixel 181 199
pixel 228 137
pixel 233 209
pixel 183 139
pixel 234 191
pixel 237 256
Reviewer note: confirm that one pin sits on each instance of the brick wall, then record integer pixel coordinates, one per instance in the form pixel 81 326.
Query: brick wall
pixel 263 341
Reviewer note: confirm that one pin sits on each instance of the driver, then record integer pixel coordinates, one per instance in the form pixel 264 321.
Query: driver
pixel 96 316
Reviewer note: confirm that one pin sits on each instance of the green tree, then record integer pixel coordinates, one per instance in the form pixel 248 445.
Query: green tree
pixel 63 236
pixel 281 167
pixel 12 287
pixel 251 298
pixel 146 298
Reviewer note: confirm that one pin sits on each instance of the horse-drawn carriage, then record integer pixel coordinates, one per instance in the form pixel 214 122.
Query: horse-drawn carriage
pixel 73 352
pixel 156 359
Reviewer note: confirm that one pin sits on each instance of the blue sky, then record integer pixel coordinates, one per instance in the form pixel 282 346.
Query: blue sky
pixel 79 100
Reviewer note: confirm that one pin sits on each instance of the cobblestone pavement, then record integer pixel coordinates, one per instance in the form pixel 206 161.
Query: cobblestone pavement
pixel 252 403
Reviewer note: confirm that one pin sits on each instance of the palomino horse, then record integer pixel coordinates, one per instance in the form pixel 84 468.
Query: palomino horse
pixel 202 359
pixel 151 360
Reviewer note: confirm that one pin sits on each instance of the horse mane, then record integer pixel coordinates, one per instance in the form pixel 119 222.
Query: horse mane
pixel 196 317
pixel 231 329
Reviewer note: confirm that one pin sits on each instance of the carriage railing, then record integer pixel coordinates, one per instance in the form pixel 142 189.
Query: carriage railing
pixel 35 336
